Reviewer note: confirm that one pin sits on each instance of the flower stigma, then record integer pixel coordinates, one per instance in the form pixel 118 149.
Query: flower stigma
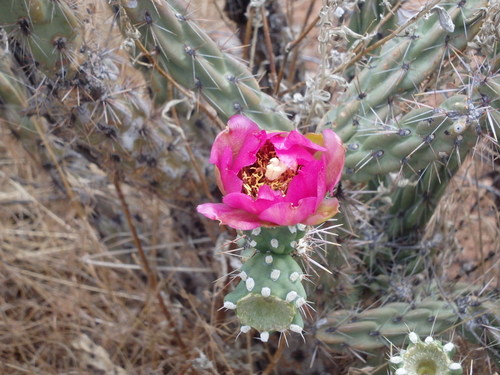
pixel 269 170
pixel 275 169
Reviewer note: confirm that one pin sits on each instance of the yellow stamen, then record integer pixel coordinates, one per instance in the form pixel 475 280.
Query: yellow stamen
pixel 269 170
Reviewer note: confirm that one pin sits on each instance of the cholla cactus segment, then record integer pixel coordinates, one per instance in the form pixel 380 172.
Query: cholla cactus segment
pixel 428 357
pixel 421 137
pixel 14 97
pixel 413 204
pixel 365 20
pixel 97 95
pixel 402 65
pixel 46 30
pixel 277 240
pixel 389 325
pixel 187 53
pixel 380 327
pixel 270 294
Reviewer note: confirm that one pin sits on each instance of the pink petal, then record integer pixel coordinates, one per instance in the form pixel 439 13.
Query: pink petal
pixel 293 148
pixel 285 141
pixel 334 156
pixel 309 182
pixel 235 148
pixel 266 193
pixel 241 201
pixel 286 213
pixel 328 208
pixel 237 219
pixel 228 180
pixel 243 138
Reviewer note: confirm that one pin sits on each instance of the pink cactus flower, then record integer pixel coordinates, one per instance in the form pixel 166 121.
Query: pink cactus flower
pixel 274 179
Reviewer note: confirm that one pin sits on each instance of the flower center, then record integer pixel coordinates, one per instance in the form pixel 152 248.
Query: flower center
pixel 426 368
pixel 269 170
pixel 275 169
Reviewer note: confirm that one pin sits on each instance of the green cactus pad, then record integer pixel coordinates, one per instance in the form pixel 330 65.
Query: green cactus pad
pixel 423 136
pixel 270 293
pixel 265 313
pixel 278 240
pixel 402 64
pixel 389 325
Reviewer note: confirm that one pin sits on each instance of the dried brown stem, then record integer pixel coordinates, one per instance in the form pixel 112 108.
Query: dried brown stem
pixel 269 48
pixel 291 46
pixel 276 357
pixel 151 275
pixel 248 35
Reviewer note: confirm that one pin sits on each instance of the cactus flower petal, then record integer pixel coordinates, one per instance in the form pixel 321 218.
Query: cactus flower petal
pixel 235 218
pixel 334 158
pixel 328 208
pixel 274 178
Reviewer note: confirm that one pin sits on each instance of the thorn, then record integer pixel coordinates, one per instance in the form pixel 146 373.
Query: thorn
pixel 300 302
pixel 249 283
pixel 296 328
pixel 264 336
pixel 448 348
pixel 265 291
pixel 275 275
pixel 413 337
pixel 291 296
pixel 396 360
pixel 229 305
pixel 301 227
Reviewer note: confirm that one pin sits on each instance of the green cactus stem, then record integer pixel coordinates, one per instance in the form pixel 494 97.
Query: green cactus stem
pixel 402 65
pixel 422 136
pixel 197 63
pixel 14 98
pixel 270 294
pixel 46 31
pixel 277 240
pixel 102 114
pixel 366 20
pixel 374 329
